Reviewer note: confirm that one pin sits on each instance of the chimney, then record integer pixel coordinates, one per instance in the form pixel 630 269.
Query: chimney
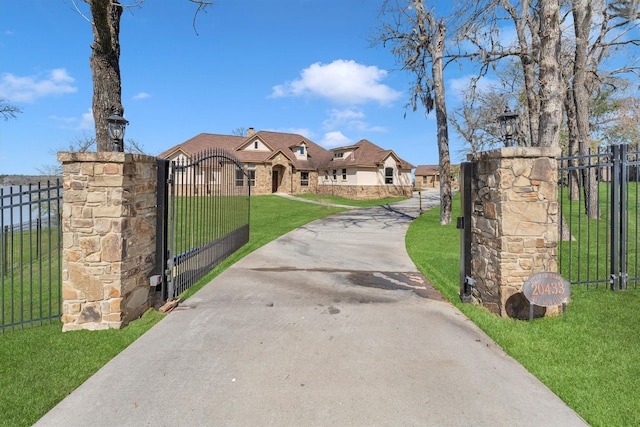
pixel 251 132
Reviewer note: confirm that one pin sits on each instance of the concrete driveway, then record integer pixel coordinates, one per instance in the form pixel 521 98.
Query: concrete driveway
pixel 330 325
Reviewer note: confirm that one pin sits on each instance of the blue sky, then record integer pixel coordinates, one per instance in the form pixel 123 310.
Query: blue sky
pixel 299 66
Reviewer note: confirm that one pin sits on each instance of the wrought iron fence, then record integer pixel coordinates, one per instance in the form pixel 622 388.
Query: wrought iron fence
pixel 208 211
pixel 599 225
pixel 30 254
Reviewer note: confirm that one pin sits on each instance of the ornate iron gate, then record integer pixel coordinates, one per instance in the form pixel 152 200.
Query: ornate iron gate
pixel 207 213
pixel 599 225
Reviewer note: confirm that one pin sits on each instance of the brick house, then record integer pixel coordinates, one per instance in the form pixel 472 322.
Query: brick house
pixel 292 164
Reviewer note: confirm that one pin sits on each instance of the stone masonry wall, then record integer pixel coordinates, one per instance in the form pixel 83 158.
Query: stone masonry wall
pixel 109 221
pixel 365 192
pixel 514 222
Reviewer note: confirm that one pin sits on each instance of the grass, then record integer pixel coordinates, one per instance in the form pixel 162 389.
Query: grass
pixel 589 357
pixel 39 366
pixel 29 276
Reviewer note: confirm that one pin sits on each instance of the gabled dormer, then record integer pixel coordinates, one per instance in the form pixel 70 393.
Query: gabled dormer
pixel 300 151
pixel 342 153
pixel 255 144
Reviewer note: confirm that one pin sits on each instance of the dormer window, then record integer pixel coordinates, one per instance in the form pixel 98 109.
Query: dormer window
pixel 338 154
pixel 302 149
pixel 255 144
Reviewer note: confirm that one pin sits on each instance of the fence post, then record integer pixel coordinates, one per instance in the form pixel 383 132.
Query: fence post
pixel 109 220
pixel 5 251
pixel 618 217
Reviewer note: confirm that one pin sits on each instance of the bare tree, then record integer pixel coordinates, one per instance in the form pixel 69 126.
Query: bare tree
pixel 417 39
pixel 105 60
pixel 240 131
pixel 8 111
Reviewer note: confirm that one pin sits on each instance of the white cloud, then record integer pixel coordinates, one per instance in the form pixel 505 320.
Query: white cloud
pixel 339 118
pixel 142 95
pixel 350 118
pixel 85 122
pixel 334 139
pixel 28 89
pixel 341 82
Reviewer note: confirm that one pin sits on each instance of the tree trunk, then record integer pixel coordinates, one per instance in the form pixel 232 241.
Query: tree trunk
pixel 572 178
pixel 436 50
pixel 550 87
pixel 523 21
pixel 582 25
pixel 105 67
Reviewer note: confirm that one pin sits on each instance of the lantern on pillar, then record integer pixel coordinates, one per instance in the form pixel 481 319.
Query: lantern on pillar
pixel 508 122
pixel 116 125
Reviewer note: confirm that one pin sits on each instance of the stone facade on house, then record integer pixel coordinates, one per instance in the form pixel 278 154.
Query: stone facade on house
pixel 514 224
pixel 109 230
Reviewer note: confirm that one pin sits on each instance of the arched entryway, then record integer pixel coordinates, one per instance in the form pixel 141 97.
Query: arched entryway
pixel 277 175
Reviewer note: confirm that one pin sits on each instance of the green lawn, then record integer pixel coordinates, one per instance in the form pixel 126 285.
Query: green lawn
pixel 29 276
pixel 39 366
pixel 590 357
pixel 593 237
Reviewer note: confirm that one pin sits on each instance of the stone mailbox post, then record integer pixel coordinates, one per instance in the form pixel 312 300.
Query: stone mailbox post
pixel 514 224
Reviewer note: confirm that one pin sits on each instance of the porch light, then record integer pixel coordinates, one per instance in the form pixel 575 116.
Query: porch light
pixel 508 122
pixel 116 125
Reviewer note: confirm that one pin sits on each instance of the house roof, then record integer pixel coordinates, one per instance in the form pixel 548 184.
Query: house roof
pixel 201 142
pixel 366 154
pixel 427 170
pixel 284 142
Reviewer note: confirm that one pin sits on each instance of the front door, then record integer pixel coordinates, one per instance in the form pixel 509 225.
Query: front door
pixel 274 181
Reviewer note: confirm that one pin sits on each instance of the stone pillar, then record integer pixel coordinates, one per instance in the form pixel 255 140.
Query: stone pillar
pixel 109 221
pixel 514 224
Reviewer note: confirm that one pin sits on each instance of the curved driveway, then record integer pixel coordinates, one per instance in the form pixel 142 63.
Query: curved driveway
pixel 330 325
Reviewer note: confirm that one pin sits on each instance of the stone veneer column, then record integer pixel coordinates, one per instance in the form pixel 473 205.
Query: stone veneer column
pixel 514 223
pixel 108 220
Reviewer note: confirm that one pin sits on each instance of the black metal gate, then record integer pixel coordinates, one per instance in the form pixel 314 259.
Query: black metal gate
pixel 599 225
pixel 207 216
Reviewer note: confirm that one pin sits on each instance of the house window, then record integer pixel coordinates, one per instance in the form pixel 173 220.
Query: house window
pixel 388 175
pixel 338 155
pixel 240 177
pixel 304 179
pixel 335 174
pixel 302 149
pixel 344 174
pixel 255 144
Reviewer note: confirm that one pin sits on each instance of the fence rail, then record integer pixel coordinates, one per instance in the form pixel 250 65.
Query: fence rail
pixel 599 222
pixel 30 262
